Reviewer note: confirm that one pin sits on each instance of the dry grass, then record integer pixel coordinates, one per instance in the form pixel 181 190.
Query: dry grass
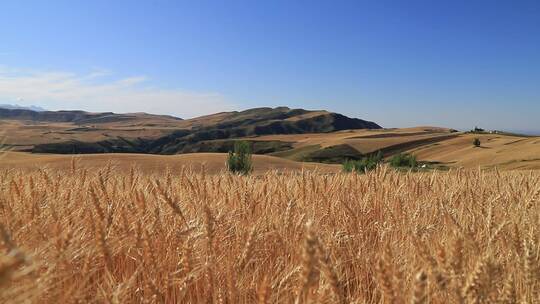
pixel 73 235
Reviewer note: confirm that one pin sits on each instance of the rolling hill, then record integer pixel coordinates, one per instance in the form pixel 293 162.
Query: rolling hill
pixel 292 135
pixel 82 132
pixel 502 151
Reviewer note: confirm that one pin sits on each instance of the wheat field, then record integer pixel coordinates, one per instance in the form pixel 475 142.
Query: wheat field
pixel 108 236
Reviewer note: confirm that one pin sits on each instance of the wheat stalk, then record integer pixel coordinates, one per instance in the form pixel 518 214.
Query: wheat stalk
pixel 106 235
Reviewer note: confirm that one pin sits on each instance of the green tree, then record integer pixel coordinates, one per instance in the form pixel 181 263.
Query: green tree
pixel 403 160
pixel 240 161
pixel 365 164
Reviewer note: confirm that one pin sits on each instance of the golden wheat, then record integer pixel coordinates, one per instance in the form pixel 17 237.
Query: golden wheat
pixel 104 236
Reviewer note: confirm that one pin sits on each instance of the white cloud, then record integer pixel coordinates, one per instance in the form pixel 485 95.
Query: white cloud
pixel 96 91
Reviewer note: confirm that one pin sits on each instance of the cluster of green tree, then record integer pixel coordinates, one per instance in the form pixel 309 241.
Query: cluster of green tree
pixel 363 165
pixel 403 160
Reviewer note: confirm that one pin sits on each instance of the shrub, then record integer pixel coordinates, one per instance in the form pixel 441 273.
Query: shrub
pixel 476 142
pixel 365 164
pixel 348 166
pixel 403 160
pixel 239 161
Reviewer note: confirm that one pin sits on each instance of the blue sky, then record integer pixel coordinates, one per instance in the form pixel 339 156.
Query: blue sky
pixel 399 63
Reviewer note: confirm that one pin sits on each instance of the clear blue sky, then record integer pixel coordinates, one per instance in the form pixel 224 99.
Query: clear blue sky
pixel 399 63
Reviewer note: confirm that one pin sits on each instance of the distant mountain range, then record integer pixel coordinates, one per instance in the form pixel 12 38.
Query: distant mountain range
pixel 77 117
pixel 140 132
pixel 18 107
